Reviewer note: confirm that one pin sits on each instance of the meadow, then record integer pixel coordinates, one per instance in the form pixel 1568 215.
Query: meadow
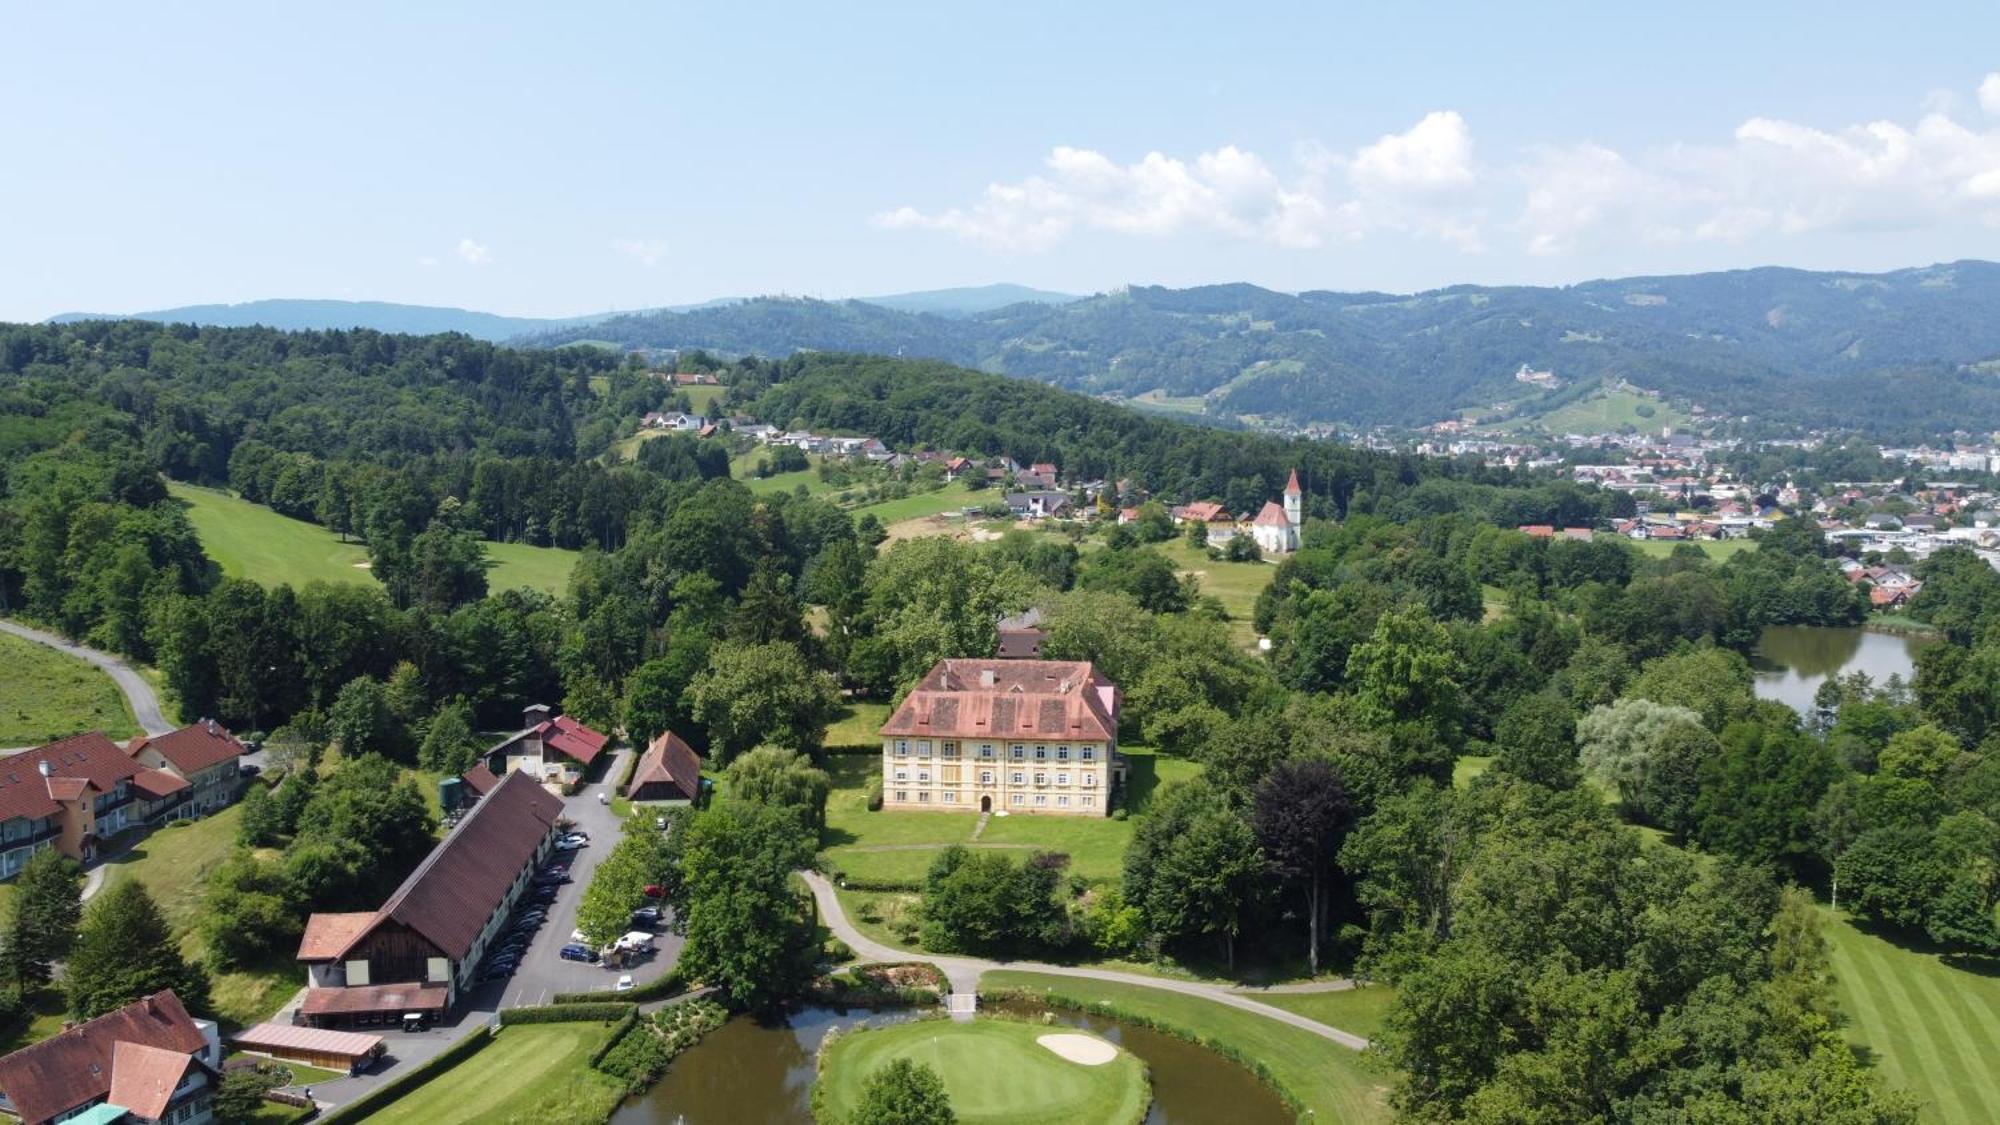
pixel 251 541
pixel 50 694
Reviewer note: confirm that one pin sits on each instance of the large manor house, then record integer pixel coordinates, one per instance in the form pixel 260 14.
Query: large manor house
pixel 997 735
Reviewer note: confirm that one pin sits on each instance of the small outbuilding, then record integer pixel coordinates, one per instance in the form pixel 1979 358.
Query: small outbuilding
pixel 669 773
pixel 348 1051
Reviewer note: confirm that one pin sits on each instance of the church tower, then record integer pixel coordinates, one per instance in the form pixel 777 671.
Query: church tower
pixel 1294 501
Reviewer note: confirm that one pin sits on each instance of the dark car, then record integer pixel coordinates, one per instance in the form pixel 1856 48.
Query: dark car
pixel 646 916
pixel 577 953
pixel 498 972
pixel 250 769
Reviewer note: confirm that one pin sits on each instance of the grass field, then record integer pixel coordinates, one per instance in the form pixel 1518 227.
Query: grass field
pixel 950 498
pixel 1235 584
pixel 1329 1081
pixel 49 694
pixel 251 541
pixel 530 1073
pixel 1607 412
pixel 994 1071
pixel 174 864
pixel 857 725
pixel 1359 1010
pixel 1932 1028
pixel 1468 767
pixel 1718 550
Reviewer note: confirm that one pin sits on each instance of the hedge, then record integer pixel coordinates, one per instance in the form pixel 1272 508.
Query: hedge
pixel 618 1031
pixel 410 1079
pixel 568 1013
pixel 667 985
pixel 1248 1062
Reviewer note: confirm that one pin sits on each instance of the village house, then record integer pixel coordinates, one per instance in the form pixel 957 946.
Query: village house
pixel 668 773
pixel 556 749
pixel 1020 736
pixel 1038 505
pixel 147 1063
pixel 417 954
pixel 1276 529
pixel 1019 636
pixel 76 792
pixel 1201 511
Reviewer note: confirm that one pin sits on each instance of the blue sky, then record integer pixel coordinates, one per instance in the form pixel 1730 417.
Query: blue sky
pixel 551 159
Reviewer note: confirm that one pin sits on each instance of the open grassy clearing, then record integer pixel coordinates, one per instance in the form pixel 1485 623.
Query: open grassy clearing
pixel 994 1071
pixel 1359 1010
pixel 1330 1081
pixel 1931 1025
pixel 857 725
pixel 251 541
pixel 950 498
pixel 1468 767
pixel 1718 550
pixel 174 864
pixel 46 694
pixel 529 1073
pixel 1607 411
pixel 1235 584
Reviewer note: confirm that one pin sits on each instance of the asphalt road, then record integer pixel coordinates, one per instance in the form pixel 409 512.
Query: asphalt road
pixel 542 973
pixel 139 694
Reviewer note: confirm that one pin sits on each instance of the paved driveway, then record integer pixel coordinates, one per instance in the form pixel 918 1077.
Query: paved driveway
pixel 542 974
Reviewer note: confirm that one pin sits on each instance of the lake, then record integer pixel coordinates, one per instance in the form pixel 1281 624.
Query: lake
pixel 1791 661
pixel 747 1073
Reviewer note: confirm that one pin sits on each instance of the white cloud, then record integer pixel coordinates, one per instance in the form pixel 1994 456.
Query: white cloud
pixel 427 261
pixel 646 252
pixel 1328 197
pixel 474 253
pixel 1770 178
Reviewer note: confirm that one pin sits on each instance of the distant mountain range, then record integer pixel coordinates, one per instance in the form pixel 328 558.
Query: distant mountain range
pixel 1914 351
pixel 1907 351
pixel 383 316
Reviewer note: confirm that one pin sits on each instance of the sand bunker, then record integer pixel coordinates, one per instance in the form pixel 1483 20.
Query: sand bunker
pixel 1086 1049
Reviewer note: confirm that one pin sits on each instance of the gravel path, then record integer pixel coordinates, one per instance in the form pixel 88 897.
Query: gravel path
pixel 964 972
pixel 144 702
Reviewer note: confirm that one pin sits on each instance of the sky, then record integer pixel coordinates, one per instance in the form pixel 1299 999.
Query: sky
pixel 539 159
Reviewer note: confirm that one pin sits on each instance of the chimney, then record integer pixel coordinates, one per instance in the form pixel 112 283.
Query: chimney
pixel 987 678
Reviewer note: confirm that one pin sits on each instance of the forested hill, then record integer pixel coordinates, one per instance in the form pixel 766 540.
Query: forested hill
pixel 1901 351
pixel 379 316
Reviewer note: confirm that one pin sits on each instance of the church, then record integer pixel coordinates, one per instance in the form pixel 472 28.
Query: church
pixel 1276 529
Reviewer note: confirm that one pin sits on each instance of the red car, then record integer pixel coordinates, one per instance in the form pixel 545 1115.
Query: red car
pixel 654 890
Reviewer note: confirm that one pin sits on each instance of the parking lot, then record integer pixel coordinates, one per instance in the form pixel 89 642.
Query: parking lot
pixel 542 973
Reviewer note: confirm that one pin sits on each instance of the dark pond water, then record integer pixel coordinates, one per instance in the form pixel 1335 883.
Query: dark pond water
pixel 747 1073
pixel 1791 661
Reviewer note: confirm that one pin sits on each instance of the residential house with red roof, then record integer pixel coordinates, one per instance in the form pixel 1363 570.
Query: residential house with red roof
pixel 553 748
pixel 1023 736
pixel 147 1062
pixel 417 954
pixel 668 773
pixel 204 754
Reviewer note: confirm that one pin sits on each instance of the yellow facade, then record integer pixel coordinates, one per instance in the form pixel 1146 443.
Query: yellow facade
pixel 1048 778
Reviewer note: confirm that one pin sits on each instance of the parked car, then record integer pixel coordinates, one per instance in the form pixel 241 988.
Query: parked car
pixel 646 916
pixel 577 953
pixel 572 843
pixel 250 769
pixel 498 972
pixel 654 890
pixel 625 983
pixel 576 938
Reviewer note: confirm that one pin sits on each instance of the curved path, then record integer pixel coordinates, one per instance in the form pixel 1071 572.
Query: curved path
pixel 138 693
pixel 964 972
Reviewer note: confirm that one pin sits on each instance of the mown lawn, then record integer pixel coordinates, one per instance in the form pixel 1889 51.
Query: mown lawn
pixel 46 695
pixel 1359 1010
pixel 1328 1080
pixel 1235 584
pixel 1718 550
pixel 1931 1026
pixel 993 1071
pixel 950 498
pixel 857 724
pixel 251 541
pixel 529 1073
pixel 174 864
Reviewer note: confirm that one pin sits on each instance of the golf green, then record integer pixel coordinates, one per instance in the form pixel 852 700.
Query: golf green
pixel 994 1071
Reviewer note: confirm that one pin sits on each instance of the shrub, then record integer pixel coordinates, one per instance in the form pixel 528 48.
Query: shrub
pixel 837 950
pixel 568 1013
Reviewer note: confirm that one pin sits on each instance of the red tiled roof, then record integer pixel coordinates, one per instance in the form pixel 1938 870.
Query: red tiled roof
pixel 67 788
pixel 1207 511
pixel 480 779
pixel 329 935
pixel 573 739
pixel 72 1068
pixel 1009 699
pixel 143 1078
pixel 1538 531
pixel 670 761
pixel 91 757
pixel 1292 485
pixel 159 783
pixel 453 892
pixel 1272 516
pixel 192 748
pixel 360 998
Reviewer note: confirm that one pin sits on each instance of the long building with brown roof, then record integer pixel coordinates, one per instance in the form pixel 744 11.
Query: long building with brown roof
pixel 1020 736
pixel 418 952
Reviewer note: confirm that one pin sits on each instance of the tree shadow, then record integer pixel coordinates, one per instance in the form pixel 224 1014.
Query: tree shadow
pixel 834 837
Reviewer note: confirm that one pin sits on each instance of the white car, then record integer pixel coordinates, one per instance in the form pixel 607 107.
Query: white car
pixel 571 843
pixel 625 983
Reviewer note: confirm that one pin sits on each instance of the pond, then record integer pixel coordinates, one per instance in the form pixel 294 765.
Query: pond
pixel 746 1073
pixel 1791 661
